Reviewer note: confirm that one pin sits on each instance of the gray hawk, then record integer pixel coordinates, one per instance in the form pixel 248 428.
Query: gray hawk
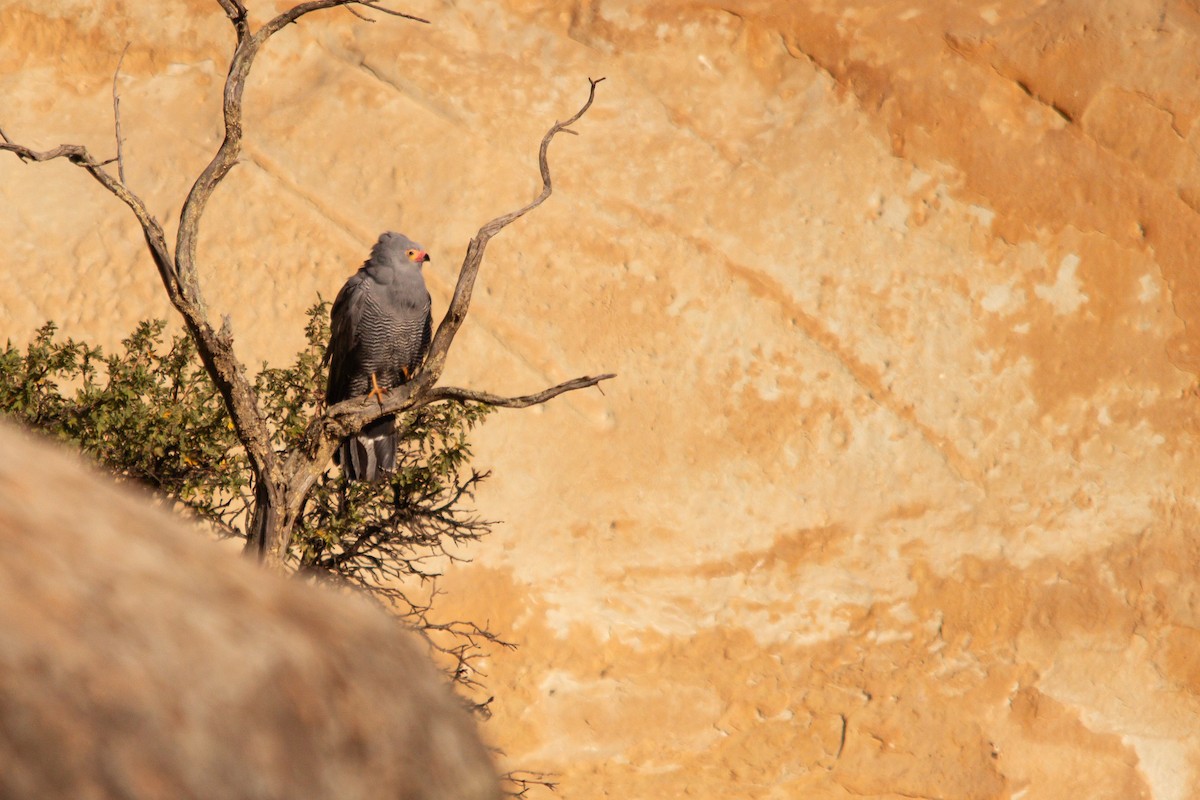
pixel 381 324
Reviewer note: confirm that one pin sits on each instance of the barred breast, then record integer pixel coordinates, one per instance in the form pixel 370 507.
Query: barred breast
pixel 392 342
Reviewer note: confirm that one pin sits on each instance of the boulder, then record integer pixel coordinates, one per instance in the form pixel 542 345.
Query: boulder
pixel 140 660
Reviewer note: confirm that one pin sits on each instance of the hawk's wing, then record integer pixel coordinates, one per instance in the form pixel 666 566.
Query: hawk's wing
pixel 427 334
pixel 422 345
pixel 343 351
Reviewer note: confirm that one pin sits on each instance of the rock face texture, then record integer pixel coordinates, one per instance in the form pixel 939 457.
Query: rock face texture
pixel 139 661
pixel 895 493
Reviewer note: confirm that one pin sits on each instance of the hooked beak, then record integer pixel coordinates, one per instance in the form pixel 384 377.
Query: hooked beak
pixel 420 257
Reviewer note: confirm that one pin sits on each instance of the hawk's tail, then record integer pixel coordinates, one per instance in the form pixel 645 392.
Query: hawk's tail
pixel 371 455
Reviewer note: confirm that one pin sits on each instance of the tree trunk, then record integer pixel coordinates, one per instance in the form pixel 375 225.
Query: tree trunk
pixel 271 525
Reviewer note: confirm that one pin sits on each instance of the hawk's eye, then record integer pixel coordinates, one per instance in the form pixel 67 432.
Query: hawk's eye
pixel 411 253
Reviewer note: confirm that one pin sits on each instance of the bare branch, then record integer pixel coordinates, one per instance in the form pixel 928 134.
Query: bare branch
pixel 524 780
pixel 488 399
pixel 117 116
pixel 496 225
pixel 233 8
pixel 214 172
pixel 74 152
pixel 350 416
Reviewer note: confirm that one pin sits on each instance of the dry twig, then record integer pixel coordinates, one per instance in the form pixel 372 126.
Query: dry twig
pixel 117 117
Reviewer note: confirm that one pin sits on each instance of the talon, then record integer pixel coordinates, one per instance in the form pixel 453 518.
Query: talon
pixel 376 390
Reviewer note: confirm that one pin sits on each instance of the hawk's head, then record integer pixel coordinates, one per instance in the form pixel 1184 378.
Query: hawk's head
pixel 397 249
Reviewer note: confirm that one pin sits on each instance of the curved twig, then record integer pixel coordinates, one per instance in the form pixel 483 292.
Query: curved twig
pixel 117 117
pixel 461 300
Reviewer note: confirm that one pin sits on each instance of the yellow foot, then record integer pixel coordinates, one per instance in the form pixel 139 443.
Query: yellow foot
pixel 376 390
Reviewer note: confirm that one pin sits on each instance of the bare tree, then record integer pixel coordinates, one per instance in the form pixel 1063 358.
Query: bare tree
pixel 283 480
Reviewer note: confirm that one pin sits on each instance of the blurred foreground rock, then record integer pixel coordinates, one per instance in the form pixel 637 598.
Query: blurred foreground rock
pixel 138 660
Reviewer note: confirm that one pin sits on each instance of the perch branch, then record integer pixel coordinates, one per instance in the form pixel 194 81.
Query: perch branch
pixel 524 401
pixel 350 416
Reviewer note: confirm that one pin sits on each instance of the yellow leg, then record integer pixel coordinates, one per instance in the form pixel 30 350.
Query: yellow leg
pixel 376 390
